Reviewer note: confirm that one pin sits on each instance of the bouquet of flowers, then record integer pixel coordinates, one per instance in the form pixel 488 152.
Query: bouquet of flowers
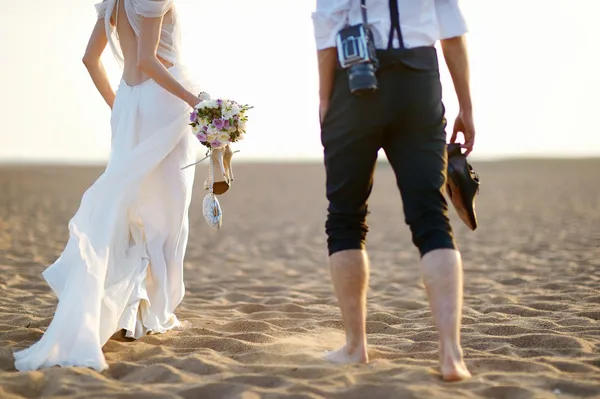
pixel 217 123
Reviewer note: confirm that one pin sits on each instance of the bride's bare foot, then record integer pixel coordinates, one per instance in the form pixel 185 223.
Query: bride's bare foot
pixel 453 367
pixel 344 356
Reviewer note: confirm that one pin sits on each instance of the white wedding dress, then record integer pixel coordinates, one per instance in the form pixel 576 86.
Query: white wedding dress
pixel 122 267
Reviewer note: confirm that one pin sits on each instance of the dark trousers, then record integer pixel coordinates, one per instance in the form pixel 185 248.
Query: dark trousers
pixel 405 117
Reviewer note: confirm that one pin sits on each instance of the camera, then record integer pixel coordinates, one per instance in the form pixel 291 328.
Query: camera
pixel 358 56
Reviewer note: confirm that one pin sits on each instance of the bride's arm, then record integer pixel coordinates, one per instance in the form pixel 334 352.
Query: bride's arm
pixel 94 65
pixel 148 62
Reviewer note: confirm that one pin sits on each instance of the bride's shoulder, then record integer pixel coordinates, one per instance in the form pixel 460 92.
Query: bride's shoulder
pixel 152 8
pixel 101 8
pixel 144 8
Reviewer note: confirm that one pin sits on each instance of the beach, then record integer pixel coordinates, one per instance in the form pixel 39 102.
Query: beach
pixel 262 309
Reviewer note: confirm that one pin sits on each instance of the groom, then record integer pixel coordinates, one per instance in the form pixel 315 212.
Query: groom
pixel 392 102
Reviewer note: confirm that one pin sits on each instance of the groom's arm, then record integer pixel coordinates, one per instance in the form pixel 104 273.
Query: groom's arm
pixel 329 17
pixel 457 61
pixel 327 62
pixel 93 63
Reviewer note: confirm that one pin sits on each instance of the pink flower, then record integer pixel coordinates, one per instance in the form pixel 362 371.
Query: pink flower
pixel 216 144
pixel 202 137
pixel 219 123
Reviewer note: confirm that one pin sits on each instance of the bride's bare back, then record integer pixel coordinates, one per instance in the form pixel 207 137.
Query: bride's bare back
pixel 145 37
pixel 128 43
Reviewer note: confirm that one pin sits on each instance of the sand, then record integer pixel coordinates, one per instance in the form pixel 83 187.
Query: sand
pixel 263 313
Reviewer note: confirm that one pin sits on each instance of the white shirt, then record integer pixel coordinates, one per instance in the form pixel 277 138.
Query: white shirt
pixel 423 22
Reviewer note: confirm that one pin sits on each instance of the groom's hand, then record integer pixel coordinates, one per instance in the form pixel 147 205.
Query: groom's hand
pixel 464 124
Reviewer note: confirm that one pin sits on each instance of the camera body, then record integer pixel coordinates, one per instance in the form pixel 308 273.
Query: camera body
pixel 358 56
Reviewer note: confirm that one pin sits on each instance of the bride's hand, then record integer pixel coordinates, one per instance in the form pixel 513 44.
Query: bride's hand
pixel 192 100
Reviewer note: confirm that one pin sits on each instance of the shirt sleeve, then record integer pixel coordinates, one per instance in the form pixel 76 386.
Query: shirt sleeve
pixel 450 19
pixel 328 19
pixel 152 8
pixel 100 9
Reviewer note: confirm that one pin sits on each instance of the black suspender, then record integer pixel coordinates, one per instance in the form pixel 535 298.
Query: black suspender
pixel 395 26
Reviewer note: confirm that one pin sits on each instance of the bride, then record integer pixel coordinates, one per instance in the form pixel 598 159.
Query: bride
pixel 122 267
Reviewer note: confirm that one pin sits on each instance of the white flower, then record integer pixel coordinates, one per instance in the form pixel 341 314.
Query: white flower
pixel 211 137
pixel 212 129
pixel 223 137
pixel 229 109
pixel 242 124
pixel 203 96
pixel 228 113
pixel 207 104
pixel 196 129
pixel 235 109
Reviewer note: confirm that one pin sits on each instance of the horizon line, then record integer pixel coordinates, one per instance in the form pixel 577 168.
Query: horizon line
pixel 301 160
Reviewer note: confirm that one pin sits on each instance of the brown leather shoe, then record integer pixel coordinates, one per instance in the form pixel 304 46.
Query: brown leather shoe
pixel 462 185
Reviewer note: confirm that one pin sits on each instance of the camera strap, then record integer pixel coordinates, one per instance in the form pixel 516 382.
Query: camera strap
pixel 395 26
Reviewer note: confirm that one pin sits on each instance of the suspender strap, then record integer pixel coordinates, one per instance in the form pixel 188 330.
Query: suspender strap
pixel 363 10
pixel 395 26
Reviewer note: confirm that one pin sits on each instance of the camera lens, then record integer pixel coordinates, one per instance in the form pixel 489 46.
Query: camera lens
pixel 362 78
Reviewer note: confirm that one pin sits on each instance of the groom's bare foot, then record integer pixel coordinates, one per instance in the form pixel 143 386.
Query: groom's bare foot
pixel 455 371
pixel 453 367
pixel 344 356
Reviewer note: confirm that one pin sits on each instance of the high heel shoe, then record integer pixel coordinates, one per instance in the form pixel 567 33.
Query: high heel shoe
pixel 227 160
pixel 219 187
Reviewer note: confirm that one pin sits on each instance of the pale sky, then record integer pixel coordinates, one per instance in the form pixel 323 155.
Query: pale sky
pixel 535 76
